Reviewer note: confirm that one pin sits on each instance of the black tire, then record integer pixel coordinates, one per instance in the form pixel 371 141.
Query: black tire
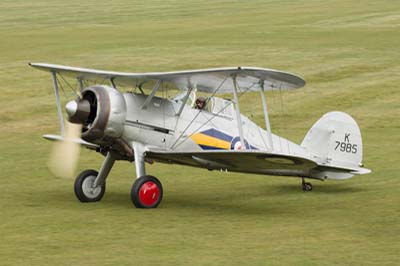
pixel 307 186
pixel 138 196
pixel 81 187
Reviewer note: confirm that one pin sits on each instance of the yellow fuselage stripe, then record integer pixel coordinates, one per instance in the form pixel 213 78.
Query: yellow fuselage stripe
pixel 202 139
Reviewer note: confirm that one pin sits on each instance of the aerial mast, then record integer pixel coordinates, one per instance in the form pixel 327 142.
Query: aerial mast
pixel 266 116
pixel 237 109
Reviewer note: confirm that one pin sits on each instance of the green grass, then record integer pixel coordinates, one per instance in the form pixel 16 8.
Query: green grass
pixel 348 51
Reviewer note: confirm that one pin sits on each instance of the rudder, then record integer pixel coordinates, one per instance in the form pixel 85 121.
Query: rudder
pixel 335 141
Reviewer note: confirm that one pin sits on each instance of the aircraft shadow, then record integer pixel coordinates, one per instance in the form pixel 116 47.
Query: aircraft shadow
pixel 318 188
pixel 269 200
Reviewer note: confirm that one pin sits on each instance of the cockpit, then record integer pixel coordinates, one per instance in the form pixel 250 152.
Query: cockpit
pixel 215 105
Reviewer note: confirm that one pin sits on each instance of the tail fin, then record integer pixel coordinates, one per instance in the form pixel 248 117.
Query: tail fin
pixel 335 143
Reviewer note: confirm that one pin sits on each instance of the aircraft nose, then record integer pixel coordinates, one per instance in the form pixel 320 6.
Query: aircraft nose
pixel 78 111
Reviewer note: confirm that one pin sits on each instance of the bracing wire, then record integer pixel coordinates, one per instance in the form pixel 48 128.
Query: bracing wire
pixel 68 84
pixel 209 120
pixel 61 87
pixel 242 93
pixel 165 95
pixel 281 97
pixel 195 117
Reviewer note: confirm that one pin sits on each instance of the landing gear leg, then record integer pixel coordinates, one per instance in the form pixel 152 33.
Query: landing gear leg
pixel 306 186
pixel 147 191
pixel 138 150
pixel 90 185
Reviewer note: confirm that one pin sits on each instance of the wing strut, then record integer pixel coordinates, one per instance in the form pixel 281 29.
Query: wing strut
pixel 237 109
pixel 58 103
pixel 153 92
pixel 184 101
pixel 113 83
pixel 81 86
pixel 266 116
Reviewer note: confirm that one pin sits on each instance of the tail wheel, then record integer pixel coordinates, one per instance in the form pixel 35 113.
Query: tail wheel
pixel 83 187
pixel 146 192
pixel 306 186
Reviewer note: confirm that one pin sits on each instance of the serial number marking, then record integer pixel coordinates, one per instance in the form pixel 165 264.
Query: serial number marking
pixel 346 146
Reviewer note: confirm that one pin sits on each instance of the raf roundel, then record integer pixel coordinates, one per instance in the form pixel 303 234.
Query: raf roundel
pixel 236 145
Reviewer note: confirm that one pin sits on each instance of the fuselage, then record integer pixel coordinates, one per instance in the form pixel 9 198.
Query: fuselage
pixel 213 128
pixel 126 123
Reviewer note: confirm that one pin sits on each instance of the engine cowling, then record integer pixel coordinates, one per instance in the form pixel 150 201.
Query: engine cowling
pixel 101 110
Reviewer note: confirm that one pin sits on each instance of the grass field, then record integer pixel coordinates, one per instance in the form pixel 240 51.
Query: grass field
pixel 348 51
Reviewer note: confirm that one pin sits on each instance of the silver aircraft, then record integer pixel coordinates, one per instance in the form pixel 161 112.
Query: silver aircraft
pixel 142 127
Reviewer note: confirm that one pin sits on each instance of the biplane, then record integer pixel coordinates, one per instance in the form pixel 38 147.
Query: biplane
pixel 142 126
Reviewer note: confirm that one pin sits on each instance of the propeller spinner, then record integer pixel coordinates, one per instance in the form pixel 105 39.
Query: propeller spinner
pixel 78 111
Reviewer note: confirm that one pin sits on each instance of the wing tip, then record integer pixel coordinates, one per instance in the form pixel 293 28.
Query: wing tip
pixel 33 64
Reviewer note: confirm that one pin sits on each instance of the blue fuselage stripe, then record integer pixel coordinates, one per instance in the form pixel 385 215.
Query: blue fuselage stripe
pixel 217 134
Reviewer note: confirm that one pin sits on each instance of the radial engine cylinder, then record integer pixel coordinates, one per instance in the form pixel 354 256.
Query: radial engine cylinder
pixel 101 111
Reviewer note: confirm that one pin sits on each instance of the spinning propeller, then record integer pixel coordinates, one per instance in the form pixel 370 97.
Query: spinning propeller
pixel 65 155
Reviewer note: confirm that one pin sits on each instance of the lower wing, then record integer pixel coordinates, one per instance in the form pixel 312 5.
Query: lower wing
pixel 239 161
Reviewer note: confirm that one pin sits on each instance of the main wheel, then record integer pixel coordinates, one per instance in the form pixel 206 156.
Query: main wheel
pixel 83 187
pixel 146 192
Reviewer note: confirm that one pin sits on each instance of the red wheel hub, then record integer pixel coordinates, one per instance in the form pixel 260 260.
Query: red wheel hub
pixel 149 193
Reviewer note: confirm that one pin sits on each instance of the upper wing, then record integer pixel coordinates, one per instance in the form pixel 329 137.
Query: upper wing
pixel 206 80
pixel 239 161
